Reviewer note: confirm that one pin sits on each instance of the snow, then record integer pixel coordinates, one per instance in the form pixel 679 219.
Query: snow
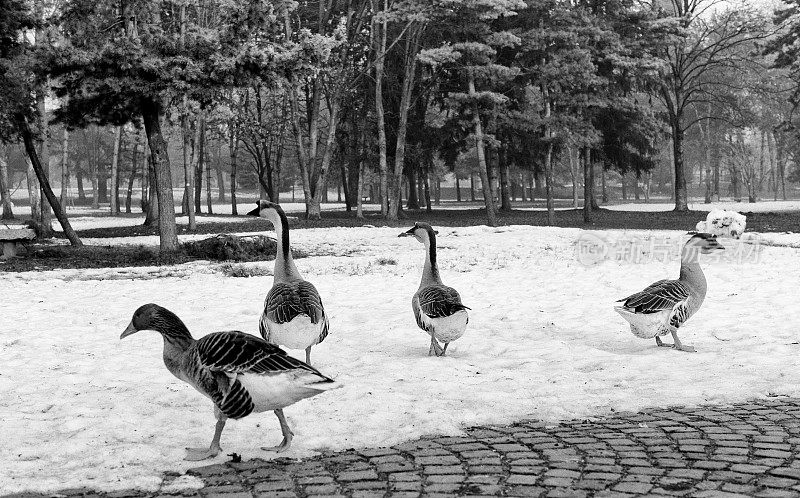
pixel 699 205
pixel 83 408
pixel 723 223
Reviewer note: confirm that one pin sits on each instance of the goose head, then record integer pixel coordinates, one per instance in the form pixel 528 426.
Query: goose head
pixel 421 231
pixel 154 317
pixel 704 243
pixel 268 210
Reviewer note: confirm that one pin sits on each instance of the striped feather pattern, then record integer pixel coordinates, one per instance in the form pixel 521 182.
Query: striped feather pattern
pixel 287 300
pixel 659 296
pixel 436 301
pixel 235 352
pixel 219 358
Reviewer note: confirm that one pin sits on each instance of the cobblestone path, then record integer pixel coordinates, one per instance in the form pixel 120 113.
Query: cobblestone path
pixel 737 450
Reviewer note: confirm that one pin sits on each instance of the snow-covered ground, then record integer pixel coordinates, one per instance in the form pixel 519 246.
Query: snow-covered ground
pixel 699 205
pixel 82 408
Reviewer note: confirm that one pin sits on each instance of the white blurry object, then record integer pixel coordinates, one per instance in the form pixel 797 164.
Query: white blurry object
pixel 723 223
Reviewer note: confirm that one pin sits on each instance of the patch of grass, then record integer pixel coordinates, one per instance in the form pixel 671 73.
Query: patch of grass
pixel 45 256
pixel 243 271
pixel 386 261
pixel 227 247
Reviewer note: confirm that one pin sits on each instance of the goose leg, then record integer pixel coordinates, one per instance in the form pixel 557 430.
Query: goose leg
pixel 195 454
pixel 287 434
pixel 435 349
pixel 444 349
pixel 662 344
pixel 679 346
pixel 308 355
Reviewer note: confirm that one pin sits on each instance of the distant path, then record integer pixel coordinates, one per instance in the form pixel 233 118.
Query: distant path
pixel 739 450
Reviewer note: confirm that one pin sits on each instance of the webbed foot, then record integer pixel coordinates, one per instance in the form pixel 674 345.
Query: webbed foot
pixel 197 454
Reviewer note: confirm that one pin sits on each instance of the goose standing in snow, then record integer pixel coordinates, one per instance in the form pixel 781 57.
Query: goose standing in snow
pixel 241 373
pixel 662 307
pixel 293 314
pixel 437 307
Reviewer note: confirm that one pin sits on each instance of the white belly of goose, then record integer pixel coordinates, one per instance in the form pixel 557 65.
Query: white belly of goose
pixel 448 328
pixel 274 391
pixel 646 325
pixel 299 333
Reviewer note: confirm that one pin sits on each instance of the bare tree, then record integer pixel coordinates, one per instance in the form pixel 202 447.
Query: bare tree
pixel 709 42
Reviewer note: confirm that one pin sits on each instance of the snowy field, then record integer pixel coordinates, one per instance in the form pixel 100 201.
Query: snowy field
pixel 82 408
pixel 699 205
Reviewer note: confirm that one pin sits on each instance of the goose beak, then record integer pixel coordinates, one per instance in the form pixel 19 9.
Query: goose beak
pixel 129 330
pixel 255 212
pixel 409 233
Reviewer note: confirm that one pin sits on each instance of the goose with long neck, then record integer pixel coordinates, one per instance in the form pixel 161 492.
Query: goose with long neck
pixel 662 307
pixel 437 308
pixel 240 373
pixel 293 313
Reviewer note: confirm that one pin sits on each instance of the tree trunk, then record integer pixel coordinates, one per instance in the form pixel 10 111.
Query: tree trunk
pixel 681 199
pixel 458 189
pixel 43 143
pixel 379 42
pixel 220 176
pixel 502 165
pixel 115 171
pixel 233 145
pixel 360 192
pixel 94 170
pixel 603 171
pixel 413 198
pixel 402 128
pixel 151 114
pixel 472 186
pixel 573 171
pixel 588 186
pixel 188 167
pixel 209 199
pixel 34 196
pixel 479 146
pixel 151 206
pixel 198 158
pixel 427 189
pixel 548 181
pixel 30 148
pixel 79 182
pixel 132 177
pixel 64 169
pixel 5 194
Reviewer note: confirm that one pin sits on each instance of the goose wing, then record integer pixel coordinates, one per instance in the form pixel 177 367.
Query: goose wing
pixel 659 296
pixel 437 301
pixel 235 352
pixel 220 357
pixel 287 300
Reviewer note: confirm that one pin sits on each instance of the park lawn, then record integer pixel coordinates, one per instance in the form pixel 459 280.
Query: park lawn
pixel 83 408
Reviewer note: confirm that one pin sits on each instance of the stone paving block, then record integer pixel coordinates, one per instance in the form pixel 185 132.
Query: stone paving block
pixel 633 487
pixel 357 475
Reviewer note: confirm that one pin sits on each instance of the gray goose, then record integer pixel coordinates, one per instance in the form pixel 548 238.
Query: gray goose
pixel 293 313
pixel 437 307
pixel 662 307
pixel 240 373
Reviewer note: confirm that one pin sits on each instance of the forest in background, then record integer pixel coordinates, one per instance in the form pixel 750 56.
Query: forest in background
pixel 382 99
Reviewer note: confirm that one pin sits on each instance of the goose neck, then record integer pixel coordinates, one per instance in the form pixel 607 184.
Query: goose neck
pixel 691 272
pixel 430 273
pixel 285 268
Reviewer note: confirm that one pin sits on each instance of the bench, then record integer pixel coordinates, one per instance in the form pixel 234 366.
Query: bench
pixel 11 237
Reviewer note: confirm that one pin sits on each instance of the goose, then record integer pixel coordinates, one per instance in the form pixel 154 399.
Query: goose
pixel 437 307
pixel 293 314
pixel 662 307
pixel 239 372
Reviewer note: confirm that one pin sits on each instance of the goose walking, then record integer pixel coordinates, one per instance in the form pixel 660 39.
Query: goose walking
pixel 662 307
pixel 293 314
pixel 239 372
pixel 437 307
